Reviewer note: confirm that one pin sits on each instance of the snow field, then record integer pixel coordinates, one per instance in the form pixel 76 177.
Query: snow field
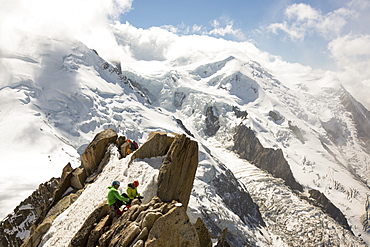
pixel 294 220
pixel 70 93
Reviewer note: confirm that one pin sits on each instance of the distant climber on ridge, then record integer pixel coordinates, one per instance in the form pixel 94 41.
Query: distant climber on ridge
pixel 115 200
pixel 128 147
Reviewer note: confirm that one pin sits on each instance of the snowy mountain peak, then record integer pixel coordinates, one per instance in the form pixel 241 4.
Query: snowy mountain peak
pixel 55 101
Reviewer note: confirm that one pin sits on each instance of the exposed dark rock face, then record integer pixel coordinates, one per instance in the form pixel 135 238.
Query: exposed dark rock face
pixel 182 126
pixel 37 234
pixel 138 88
pixel 177 173
pixel 237 199
pixel 60 201
pixel 323 202
pixel 123 79
pixel 203 233
pixel 212 122
pixel 39 229
pixel 296 131
pixel 276 117
pixel 234 196
pixel 15 227
pixel 222 242
pixel 361 117
pixel 249 147
pixel 118 69
pixel 239 113
pixel 366 217
pixel 336 131
pixel 178 99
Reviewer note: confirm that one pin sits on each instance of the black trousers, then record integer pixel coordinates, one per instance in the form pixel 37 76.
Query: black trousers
pixel 130 200
pixel 119 203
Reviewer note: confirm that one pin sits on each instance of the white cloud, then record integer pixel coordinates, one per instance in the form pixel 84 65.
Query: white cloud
pixel 159 47
pixel 303 20
pixel 145 44
pixel 332 24
pixel 359 4
pixel 221 27
pixel 344 32
pixel 225 26
pixel 294 33
pixel 23 21
pixel 197 29
pixel 360 23
pixel 349 47
pixel 171 28
pixel 302 12
pixel 352 54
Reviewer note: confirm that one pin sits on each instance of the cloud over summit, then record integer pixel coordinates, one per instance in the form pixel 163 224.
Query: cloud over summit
pixel 22 21
pixel 334 36
pixel 303 20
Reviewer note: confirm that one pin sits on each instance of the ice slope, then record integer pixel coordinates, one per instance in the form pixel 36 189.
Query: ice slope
pixel 290 220
pixel 55 101
pixel 51 106
pixel 324 153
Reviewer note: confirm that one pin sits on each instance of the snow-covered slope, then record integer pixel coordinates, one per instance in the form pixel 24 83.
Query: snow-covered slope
pixel 55 101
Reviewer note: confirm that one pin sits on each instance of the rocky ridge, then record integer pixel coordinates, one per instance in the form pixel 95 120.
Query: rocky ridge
pixel 17 226
pixel 142 225
pixel 247 145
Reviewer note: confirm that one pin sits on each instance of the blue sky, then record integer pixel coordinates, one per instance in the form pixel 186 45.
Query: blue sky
pixel 247 14
pixel 301 34
pixel 148 13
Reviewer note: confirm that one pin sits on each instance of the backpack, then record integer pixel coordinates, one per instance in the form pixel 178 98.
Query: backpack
pixel 134 145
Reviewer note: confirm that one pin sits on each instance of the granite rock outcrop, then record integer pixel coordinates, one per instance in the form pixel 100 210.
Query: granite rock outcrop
pixel 247 145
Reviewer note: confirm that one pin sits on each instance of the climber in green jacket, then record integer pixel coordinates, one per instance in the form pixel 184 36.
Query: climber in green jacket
pixel 115 200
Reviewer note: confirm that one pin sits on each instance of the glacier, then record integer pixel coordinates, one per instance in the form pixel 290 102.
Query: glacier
pixel 53 102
